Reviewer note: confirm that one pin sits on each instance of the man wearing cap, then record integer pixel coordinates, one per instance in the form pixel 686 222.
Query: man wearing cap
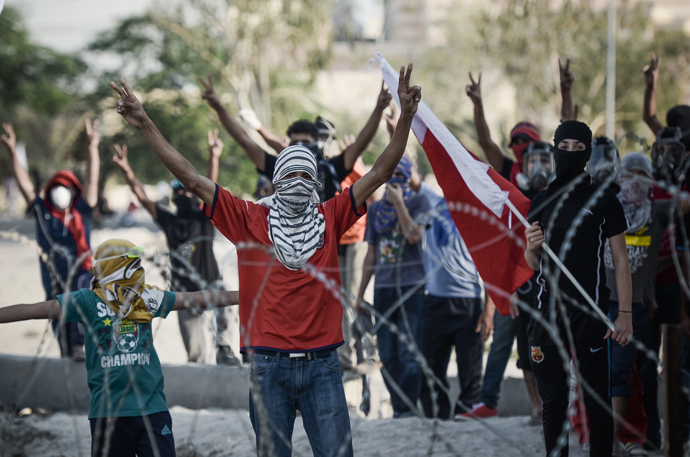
pixel 63 229
pixel 290 291
pixel 193 266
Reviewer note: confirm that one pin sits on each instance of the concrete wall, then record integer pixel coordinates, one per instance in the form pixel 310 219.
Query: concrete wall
pixel 57 384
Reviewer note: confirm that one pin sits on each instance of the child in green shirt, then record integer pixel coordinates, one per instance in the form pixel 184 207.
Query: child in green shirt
pixel 127 408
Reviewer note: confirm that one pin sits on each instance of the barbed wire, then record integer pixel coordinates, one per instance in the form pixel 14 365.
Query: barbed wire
pixel 160 261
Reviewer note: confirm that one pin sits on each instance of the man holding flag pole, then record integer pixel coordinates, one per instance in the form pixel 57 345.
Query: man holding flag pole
pixel 483 204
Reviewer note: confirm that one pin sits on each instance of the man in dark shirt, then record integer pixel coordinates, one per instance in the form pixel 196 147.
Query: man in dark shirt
pixel 553 213
pixel 63 229
pixel 193 266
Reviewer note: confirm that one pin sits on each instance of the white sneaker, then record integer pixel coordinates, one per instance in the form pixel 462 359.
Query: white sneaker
pixel 633 450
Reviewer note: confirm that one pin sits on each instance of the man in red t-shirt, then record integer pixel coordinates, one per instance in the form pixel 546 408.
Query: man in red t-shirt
pixel 290 307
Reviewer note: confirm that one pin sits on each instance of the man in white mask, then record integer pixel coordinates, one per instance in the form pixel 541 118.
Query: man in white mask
pixel 647 221
pixel 63 229
pixel 290 290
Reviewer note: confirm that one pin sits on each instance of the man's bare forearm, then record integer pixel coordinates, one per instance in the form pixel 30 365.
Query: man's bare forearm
pixel 367 271
pixel 273 140
pixel 390 157
pixel 93 164
pixel 140 193
pixel 213 165
pixel 649 114
pixel 491 149
pixel 412 230
pixel 240 135
pixel 42 310
pixel 22 177
pixel 367 134
pixel 533 258
pixel 178 165
pixel 567 107
pixel 205 299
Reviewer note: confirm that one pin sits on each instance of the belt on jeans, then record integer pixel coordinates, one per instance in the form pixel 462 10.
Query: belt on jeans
pixel 309 355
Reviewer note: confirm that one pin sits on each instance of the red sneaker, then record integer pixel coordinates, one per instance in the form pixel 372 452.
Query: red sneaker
pixel 480 410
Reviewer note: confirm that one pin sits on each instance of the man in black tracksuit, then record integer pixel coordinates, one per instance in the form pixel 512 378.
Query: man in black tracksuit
pixel 552 214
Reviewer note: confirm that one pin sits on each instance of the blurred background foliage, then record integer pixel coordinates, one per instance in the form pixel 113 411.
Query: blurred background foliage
pixel 268 55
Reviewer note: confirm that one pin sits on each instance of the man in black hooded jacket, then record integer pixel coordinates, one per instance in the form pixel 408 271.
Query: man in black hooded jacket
pixel 594 215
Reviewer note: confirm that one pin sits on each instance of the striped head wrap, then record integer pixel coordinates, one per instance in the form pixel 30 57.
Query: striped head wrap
pixel 295 225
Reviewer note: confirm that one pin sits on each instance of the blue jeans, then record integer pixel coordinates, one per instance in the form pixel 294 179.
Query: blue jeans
pixel 623 357
pixel 280 386
pixel 501 347
pixel 404 373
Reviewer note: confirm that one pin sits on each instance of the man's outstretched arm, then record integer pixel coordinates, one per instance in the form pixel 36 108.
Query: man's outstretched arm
pixel 27 189
pixel 233 127
pixel 651 75
pixel 42 310
pixel 276 143
pixel 385 164
pixel 568 108
pixel 121 160
pixel 491 150
pixel 352 153
pixel 93 163
pixel 133 112
pixel 215 148
pixel 205 299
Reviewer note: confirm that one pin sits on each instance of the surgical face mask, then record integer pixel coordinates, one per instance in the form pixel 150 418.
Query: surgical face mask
pixel 295 192
pixel 61 197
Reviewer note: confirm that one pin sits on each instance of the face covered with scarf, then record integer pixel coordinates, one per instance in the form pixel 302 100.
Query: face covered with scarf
pixel 636 183
pixel 119 281
pixel 186 202
pixel 521 136
pixel 295 225
pixel 573 140
pixel 386 216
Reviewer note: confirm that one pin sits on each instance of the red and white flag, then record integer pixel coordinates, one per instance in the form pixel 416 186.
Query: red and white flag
pixel 477 198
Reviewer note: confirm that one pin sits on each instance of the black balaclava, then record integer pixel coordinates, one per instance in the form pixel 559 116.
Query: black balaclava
pixel 570 164
pixel 186 206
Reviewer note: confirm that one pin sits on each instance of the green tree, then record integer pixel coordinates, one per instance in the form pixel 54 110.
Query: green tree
pixel 40 94
pixel 525 38
pixel 248 46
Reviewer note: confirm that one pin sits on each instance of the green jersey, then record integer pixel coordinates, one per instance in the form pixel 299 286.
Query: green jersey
pixel 124 374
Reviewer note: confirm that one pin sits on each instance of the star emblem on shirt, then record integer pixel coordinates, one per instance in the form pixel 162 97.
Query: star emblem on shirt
pixel 107 322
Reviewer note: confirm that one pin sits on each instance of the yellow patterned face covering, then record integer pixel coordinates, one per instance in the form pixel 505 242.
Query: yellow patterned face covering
pixel 119 281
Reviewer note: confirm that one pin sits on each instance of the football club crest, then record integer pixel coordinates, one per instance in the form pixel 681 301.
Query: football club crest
pixel 537 355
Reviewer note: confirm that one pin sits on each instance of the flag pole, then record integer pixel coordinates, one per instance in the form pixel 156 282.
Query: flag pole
pixel 565 271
